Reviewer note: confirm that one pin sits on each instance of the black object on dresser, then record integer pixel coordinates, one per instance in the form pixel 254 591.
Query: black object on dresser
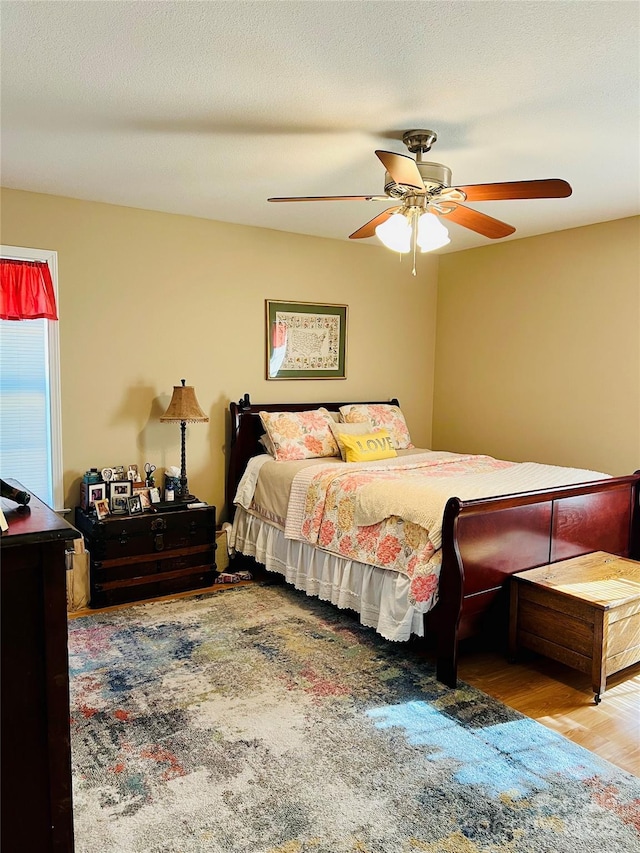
pixel 148 555
pixel 36 756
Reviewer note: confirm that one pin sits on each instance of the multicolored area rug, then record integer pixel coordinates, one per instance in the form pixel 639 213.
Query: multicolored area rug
pixel 257 720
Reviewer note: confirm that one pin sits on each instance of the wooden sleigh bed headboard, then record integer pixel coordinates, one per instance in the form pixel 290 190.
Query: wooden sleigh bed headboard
pixel 246 429
pixel 484 541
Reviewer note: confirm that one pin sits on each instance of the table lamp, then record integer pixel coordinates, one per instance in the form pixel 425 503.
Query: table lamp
pixel 184 408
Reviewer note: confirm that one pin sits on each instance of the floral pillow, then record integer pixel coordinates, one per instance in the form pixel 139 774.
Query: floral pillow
pixel 300 435
pixel 382 416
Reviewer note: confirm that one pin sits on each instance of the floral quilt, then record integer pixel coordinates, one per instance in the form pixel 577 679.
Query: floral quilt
pixel 324 504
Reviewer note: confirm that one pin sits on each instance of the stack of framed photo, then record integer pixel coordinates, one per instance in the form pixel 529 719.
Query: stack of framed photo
pixel 120 493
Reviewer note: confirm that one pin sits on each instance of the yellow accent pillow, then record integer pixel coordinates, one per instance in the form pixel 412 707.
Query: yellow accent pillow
pixel 339 430
pixel 368 447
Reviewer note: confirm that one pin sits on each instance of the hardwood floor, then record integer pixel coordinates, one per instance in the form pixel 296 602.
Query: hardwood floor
pixel 562 699
pixel 549 692
pixel 219 587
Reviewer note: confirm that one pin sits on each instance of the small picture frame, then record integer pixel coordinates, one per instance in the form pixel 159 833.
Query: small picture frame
pixel 108 474
pixel 96 492
pixel 154 495
pixel 134 505
pixel 119 504
pixel 120 488
pixel 145 499
pixel 102 508
pixel 132 473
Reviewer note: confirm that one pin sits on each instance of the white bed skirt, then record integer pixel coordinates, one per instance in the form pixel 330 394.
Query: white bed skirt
pixel 381 597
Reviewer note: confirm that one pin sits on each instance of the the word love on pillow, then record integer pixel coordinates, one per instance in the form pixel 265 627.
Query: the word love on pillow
pixel 368 447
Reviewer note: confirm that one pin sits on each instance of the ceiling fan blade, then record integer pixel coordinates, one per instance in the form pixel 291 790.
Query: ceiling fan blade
pixel 369 229
pixel 402 169
pixel 548 188
pixel 334 198
pixel 479 222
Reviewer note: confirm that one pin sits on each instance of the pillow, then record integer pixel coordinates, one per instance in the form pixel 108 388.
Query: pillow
pixel 382 416
pixel 369 446
pixel 300 435
pixel 265 441
pixel 339 430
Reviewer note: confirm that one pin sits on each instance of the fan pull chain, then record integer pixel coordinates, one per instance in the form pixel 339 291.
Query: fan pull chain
pixel 414 238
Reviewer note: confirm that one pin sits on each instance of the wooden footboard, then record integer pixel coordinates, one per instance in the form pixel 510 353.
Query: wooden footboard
pixel 485 541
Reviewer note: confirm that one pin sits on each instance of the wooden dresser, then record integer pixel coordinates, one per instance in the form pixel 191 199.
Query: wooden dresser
pixel 36 757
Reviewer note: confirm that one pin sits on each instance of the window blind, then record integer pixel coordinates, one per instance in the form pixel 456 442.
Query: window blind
pixel 25 406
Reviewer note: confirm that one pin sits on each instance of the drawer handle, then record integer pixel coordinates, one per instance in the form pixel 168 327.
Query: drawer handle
pixel 159 524
pixel 193 528
pixel 158 542
pixel 124 537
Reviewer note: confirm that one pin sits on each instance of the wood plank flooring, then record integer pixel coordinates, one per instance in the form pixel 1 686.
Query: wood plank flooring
pixel 549 692
pixel 562 699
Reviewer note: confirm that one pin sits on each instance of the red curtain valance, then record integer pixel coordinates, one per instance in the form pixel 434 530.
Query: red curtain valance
pixel 26 291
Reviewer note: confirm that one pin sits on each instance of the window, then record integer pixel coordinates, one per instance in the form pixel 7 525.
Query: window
pixel 30 412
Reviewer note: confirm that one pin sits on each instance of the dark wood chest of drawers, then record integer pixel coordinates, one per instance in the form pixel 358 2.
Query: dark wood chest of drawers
pixel 148 555
pixel 36 802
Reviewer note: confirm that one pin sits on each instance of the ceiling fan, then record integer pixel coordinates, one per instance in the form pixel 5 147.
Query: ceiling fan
pixel 423 193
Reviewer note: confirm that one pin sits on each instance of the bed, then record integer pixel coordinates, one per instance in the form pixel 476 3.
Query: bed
pixel 482 540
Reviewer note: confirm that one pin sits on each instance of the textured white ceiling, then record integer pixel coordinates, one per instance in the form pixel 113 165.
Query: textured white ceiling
pixel 209 108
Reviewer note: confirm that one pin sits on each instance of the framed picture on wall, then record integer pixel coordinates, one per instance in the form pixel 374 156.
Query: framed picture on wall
pixel 305 340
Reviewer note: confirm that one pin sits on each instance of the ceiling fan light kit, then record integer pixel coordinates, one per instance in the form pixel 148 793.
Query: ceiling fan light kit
pixel 397 231
pixel 426 196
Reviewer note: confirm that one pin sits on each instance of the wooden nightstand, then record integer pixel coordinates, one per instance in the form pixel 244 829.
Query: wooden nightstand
pixel 148 555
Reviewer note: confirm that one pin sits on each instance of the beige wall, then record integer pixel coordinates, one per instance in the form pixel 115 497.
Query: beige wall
pixel 147 299
pixel 538 349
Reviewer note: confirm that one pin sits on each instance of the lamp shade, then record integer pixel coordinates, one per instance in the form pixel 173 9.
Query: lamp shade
pixel 431 233
pixel 184 406
pixel 395 233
